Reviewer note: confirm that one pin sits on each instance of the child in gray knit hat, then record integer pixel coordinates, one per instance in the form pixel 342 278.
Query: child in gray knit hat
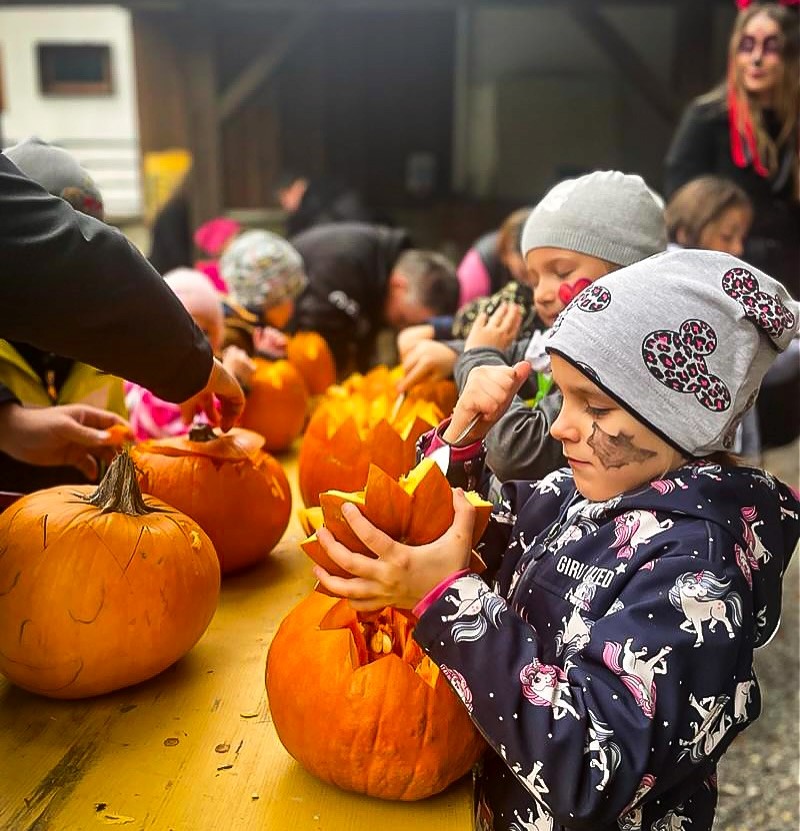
pixel 612 634
pixel 581 230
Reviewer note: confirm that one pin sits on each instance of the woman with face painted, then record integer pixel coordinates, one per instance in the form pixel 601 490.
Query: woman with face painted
pixel 606 654
pixel 746 130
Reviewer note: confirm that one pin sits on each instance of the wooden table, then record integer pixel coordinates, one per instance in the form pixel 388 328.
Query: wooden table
pixel 194 748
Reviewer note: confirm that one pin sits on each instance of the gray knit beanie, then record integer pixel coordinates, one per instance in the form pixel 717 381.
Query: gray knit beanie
pixel 58 173
pixel 686 357
pixel 262 270
pixel 605 214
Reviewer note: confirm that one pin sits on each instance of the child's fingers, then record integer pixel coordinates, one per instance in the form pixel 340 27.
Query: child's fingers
pixel 464 519
pixel 356 564
pixel 375 540
pixel 522 370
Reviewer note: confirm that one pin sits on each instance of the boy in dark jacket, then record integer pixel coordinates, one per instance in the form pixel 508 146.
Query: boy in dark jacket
pixel 362 278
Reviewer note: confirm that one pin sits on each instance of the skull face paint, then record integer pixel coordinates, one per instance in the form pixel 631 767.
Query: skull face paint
pixel 616 451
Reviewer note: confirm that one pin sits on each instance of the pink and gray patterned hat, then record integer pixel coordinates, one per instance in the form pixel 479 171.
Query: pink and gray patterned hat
pixel 262 270
pixel 681 340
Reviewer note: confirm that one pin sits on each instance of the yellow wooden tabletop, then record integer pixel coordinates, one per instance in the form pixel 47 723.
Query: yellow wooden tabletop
pixel 194 748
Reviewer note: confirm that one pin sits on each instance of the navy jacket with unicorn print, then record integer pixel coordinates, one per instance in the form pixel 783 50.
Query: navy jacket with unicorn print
pixel 609 666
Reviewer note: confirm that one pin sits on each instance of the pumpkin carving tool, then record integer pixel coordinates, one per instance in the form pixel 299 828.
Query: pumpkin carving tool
pixel 467 430
pixel 396 407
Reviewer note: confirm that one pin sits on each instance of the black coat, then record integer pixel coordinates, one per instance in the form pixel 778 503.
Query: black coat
pixel 701 146
pixel 348 267
pixel 74 286
pixel 325 202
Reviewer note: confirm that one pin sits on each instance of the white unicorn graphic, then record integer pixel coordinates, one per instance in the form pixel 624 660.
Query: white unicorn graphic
pixel 459 685
pixel 532 781
pixel 756 549
pixel 665 486
pixel 710 471
pixel 744 692
pixel 699 595
pixel 551 482
pixel 607 754
pixel 541 822
pixel 709 732
pixel 671 821
pixel 573 635
pixel 546 685
pixel 634 529
pixel 579 528
pixel 636 671
pixel 631 817
pixel 472 599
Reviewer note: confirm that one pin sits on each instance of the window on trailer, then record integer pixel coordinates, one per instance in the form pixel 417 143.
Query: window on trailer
pixel 74 69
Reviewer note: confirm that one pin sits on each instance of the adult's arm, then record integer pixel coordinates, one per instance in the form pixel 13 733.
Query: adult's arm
pixel 691 153
pixel 77 287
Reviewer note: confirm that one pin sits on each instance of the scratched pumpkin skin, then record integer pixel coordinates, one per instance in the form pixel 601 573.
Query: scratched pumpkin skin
pixel 358 703
pixel 96 596
pixel 238 494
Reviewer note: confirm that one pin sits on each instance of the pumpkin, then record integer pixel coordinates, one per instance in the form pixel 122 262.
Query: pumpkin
pixel 238 494
pixel 100 589
pixel 345 436
pixel 310 355
pixel 381 718
pixel 416 509
pixel 276 405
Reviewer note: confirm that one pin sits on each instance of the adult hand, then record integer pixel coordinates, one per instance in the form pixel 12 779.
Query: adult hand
pixel 270 341
pixel 402 574
pixel 498 331
pixel 411 336
pixel 231 400
pixel 429 359
pixel 73 434
pixel 488 393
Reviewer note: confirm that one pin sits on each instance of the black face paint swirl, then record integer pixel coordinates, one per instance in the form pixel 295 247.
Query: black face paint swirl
pixel 616 451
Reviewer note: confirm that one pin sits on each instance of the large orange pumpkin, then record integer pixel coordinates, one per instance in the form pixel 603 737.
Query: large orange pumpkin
pixel 415 510
pixel 100 589
pixel 277 404
pixel 237 493
pixel 355 700
pixel 310 354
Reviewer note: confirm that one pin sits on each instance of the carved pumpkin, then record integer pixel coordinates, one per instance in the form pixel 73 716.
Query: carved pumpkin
pixel 276 405
pixel 381 718
pixel 100 589
pixel 310 355
pixel 415 510
pixel 237 493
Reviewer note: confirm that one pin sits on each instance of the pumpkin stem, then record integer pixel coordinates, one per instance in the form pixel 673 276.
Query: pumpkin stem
pixel 119 491
pixel 202 433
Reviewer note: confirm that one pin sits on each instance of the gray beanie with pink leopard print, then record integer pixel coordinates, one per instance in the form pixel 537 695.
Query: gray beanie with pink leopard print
pixel 681 340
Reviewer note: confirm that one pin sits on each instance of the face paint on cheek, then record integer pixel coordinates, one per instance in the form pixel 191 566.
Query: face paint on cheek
pixel 616 451
pixel 566 291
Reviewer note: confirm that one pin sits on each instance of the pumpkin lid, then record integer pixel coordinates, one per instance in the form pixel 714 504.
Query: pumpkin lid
pixel 203 440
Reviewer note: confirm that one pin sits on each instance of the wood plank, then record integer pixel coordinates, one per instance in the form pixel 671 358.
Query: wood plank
pixel 194 748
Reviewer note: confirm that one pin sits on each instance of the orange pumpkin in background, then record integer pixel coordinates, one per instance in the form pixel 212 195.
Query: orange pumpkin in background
pixel 237 493
pixel 277 404
pixel 100 589
pixel 356 701
pixel 416 509
pixel 310 355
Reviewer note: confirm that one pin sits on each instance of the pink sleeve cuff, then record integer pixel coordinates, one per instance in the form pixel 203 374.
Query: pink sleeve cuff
pixel 436 592
pixel 457 454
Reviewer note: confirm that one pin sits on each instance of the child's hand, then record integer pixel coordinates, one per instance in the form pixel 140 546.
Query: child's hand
pixel 411 336
pixel 403 574
pixel 488 392
pixel 427 359
pixel 270 341
pixel 237 362
pixel 498 331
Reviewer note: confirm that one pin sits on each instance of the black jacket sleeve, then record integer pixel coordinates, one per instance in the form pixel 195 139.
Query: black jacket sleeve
pixel 74 286
pixel 692 152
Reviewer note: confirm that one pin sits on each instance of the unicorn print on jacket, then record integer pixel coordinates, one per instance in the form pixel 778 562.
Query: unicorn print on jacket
pixel 546 685
pixel 637 671
pixel 472 600
pixel 606 754
pixel 699 595
pixel 636 528
pixel 710 730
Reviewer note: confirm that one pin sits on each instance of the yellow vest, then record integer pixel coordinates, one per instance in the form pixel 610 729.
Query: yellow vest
pixel 84 384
